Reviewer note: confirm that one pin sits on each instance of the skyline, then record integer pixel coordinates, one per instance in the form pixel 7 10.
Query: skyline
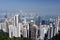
pixel 40 7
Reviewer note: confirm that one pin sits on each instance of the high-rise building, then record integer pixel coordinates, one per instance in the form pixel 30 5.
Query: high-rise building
pixel 11 31
pixel 33 31
pixel 43 31
pixel 4 26
pixel 51 29
pixel 16 20
pixel 25 28
pixel 57 24
pixel 6 23
pixel 38 20
pixel 24 31
pixel 16 24
pixel 20 29
pixel 14 31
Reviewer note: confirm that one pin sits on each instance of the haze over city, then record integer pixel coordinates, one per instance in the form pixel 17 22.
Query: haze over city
pixel 39 7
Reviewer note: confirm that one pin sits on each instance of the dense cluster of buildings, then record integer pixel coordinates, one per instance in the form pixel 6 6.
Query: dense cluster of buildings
pixel 31 27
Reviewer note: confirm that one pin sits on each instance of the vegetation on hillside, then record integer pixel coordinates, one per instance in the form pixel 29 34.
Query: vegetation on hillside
pixel 4 36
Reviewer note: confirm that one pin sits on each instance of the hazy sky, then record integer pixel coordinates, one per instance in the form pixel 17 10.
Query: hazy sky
pixel 42 7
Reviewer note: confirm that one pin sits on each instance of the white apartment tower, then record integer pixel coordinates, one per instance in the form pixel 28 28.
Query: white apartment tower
pixel 11 31
pixel 17 25
pixel 16 20
pixel 25 28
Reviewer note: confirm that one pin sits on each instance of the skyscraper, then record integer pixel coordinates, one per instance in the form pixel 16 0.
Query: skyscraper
pixel 11 31
pixel 16 20
pixel 33 31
